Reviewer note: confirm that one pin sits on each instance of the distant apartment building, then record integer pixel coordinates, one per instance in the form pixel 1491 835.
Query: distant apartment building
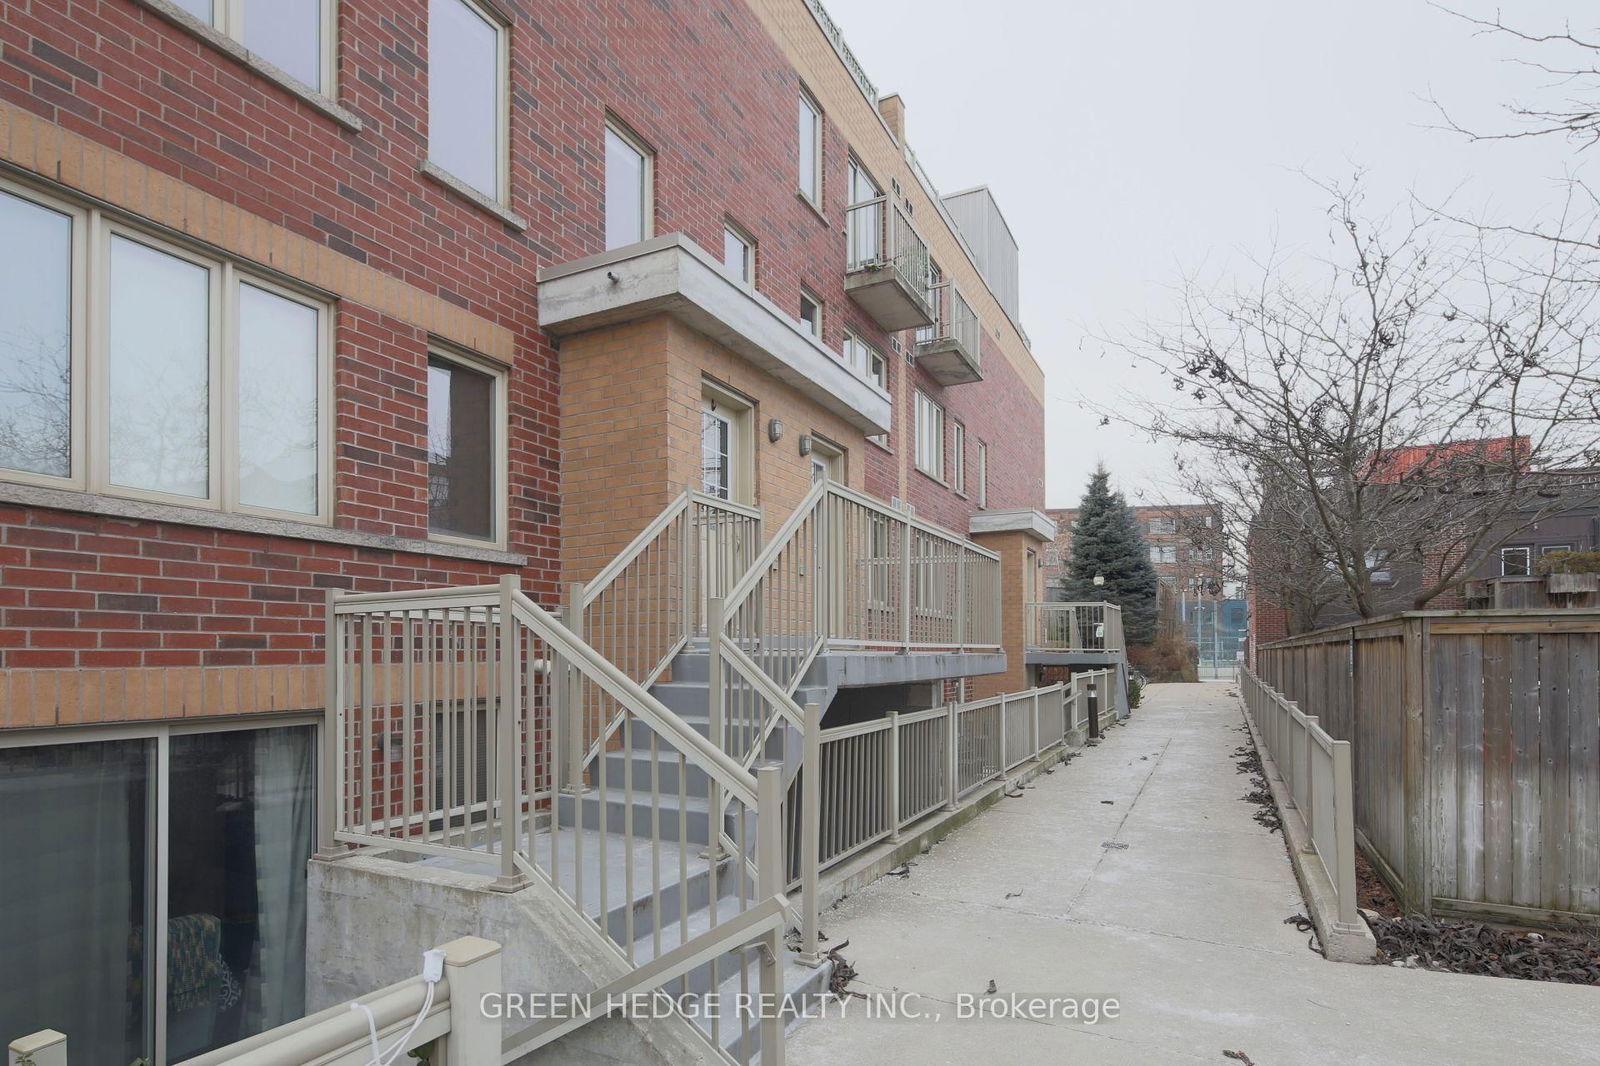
pixel 1187 548
pixel 370 296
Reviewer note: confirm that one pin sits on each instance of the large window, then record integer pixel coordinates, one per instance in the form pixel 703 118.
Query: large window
pixel 159 876
pixel 296 36
pixel 930 437
pixel 465 443
pixel 810 134
pixel 1516 562
pixel 864 217
pixel 37 339
pixel 628 167
pixel 467 95
pixel 202 385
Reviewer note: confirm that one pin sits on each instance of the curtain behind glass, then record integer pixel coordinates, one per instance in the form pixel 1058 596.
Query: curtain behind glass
pixel 240 823
pixel 73 869
pixel 283 822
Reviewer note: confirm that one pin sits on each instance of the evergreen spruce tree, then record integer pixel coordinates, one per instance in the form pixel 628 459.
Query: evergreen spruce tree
pixel 1107 541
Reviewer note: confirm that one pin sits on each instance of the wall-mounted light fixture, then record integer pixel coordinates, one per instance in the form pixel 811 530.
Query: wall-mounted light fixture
pixel 805 444
pixel 774 430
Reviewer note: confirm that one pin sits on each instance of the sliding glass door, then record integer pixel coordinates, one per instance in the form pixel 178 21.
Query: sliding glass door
pixel 155 886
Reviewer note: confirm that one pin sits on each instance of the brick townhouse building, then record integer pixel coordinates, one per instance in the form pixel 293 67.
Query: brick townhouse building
pixel 377 295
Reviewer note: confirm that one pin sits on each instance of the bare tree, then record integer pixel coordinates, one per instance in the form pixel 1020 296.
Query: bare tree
pixel 1393 407
pixel 1574 67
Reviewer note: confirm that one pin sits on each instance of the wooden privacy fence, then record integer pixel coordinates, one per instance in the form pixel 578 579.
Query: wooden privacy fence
pixel 1475 738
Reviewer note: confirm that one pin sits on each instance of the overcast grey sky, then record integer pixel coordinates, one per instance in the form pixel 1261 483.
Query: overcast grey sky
pixel 1131 144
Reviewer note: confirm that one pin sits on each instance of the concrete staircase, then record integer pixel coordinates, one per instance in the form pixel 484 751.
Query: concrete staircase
pixel 683 813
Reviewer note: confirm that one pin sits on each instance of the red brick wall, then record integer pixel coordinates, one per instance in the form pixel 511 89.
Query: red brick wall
pixel 701 82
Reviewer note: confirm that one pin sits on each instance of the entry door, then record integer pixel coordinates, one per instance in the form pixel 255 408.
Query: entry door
pixel 724 463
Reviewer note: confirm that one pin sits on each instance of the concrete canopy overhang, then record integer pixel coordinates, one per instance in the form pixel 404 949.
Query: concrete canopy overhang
pixel 1035 524
pixel 673 275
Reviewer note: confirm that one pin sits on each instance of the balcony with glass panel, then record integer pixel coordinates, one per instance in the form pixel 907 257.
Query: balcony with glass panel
pixel 949 349
pixel 886 267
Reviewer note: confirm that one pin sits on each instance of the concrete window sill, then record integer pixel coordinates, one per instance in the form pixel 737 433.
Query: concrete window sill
pixel 449 181
pixel 210 35
pixel 143 511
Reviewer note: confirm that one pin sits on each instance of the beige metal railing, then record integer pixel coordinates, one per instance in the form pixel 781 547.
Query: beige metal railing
pixel 651 600
pixel 878 234
pixel 1075 627
pixel 864 783
pixel 407 1014
pixel 843 571
pixel 447 714
pixel 1317 770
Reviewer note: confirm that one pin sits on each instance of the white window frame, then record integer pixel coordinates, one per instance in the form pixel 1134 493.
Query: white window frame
pixel 500 453
pixel 502 149
pixel 958 465
pixel 930 442
pixel 739 412
pixel 1527 557
pixel 78 345
pixel 814 198
pixel 983 476
pixel 745 274
pixel 832 457
pixel 92 234
pixel 814 328
pixel 647 194
pixel 228 19
pixel 1163 525
pixel 158 843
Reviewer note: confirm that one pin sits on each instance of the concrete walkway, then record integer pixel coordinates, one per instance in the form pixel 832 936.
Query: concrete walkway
pixel 1184 926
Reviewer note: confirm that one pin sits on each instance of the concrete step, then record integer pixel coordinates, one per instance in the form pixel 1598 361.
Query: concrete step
pixel 689 820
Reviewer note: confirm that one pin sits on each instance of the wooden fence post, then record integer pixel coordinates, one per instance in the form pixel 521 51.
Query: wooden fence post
pixel 1417 874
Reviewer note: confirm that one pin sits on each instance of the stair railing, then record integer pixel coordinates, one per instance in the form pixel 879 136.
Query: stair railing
pixel 843 571
pixel 444 726
pixel 649 602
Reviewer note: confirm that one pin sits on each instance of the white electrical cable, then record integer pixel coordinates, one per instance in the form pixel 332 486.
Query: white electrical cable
pixel 432 970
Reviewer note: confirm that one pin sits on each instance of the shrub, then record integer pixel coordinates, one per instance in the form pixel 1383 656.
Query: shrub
pixel 1569 563
pixel 1170 658
pixel 1135 690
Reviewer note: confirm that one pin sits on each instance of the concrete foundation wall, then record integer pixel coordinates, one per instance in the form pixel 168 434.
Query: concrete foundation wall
pixel 372 918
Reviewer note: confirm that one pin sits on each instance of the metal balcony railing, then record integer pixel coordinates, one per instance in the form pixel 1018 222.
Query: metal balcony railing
pixel 879 236
pixel 1075 627
pixel 955 332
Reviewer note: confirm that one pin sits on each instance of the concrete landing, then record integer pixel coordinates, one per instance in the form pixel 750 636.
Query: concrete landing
pixel 1183 926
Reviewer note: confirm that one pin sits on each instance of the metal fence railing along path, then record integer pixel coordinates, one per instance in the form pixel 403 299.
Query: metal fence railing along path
pixel 1317 772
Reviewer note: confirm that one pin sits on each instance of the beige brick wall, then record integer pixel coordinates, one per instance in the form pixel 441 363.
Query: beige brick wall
pixel 1013 550
pixel 630 433
pixel 43 698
